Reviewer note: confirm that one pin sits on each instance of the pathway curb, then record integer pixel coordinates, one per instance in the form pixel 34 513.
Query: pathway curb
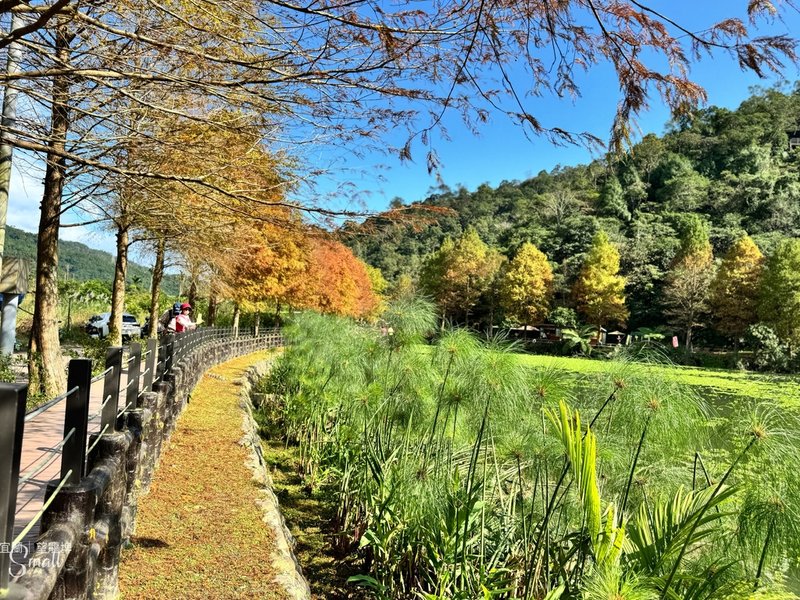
pixel 289 573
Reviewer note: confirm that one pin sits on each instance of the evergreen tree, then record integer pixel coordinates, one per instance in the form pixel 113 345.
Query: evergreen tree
pixel 611 202
pixel 600 289
pixel 689 280
pixel 527 286
pixel 735 289
pixel 694 240
pixel 780 292
pixel 682 188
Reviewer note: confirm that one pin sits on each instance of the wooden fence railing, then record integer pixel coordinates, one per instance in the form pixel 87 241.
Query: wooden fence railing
pixel 106 457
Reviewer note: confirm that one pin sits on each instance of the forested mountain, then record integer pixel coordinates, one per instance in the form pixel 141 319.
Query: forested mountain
pixel 80 262
pixel 738 170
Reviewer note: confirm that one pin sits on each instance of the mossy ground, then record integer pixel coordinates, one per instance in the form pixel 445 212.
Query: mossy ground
pixel 310 517
pixel 200 532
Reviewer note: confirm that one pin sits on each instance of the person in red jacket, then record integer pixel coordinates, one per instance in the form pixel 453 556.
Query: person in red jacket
pixel 182 322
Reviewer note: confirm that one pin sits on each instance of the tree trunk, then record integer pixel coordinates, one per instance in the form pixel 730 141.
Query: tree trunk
pixel 191 298
pixel 45 364
pixel 155 287
pixel 236 314
pixel 211 314
pixel 257 321
pixel 689 338
pixel 118 291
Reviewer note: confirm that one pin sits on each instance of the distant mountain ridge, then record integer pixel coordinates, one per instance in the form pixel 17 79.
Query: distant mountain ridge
pixel 80 261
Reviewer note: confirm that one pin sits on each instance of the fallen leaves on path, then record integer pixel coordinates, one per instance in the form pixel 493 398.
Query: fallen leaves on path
pixel 199 531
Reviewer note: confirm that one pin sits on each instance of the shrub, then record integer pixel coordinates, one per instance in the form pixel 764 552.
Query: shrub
pixel 96 350
pixel 706 360
pixel 7 374
pixel 771 354
pixel 563 317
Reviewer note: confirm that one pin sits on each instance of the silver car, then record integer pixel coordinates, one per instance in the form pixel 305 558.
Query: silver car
pixel 98 326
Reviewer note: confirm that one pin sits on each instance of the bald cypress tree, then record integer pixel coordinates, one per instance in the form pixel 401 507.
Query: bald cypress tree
pixel 526 289
pixel 735 289
pixel 600 289
pixel 459 273
pixel 686 295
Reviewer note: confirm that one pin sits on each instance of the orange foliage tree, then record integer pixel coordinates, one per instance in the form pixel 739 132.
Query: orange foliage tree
pixel 262 263
pixel 336 281
pixel 245 247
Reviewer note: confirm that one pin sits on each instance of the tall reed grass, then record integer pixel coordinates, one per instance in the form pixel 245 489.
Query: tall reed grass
pixel 459 474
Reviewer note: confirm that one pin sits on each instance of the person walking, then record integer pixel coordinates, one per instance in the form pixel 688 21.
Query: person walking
pixel 166 318
pixel 183 321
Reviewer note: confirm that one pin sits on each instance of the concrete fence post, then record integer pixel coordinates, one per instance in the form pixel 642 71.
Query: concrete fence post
pixel 151 439
pixel 135 424
pixel 69 519
pixel 110 466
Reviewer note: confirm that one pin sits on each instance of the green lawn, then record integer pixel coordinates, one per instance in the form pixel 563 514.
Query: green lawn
pixel 780 388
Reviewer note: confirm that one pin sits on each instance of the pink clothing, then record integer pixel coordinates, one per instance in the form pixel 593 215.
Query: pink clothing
pixel 183 322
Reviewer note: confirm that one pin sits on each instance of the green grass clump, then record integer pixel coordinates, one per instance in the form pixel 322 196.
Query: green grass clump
pixel 463 471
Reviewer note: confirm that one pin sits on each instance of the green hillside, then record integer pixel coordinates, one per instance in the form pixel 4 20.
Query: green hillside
pixel 80 261
pixel 738 171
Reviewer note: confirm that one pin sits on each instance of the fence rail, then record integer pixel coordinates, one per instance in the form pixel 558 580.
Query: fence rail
pixel 147 367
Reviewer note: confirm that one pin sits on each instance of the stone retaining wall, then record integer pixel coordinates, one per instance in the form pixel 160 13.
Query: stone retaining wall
pixel 289 573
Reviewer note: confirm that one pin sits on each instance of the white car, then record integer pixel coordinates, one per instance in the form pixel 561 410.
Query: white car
pixel 98 326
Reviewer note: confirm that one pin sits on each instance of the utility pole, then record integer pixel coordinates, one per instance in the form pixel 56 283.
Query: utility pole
pixel 9 120
pixel 8 326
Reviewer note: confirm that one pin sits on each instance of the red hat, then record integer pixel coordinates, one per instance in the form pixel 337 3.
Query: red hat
pixel 186 305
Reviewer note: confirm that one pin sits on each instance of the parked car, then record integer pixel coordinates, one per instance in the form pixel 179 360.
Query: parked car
pixel 98 326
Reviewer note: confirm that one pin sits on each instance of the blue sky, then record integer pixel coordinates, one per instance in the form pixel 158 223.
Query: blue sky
pixel 503 152
pixel 500 152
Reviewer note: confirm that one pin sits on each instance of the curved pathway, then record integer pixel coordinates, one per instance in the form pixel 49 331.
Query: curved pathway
pixel 199 531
